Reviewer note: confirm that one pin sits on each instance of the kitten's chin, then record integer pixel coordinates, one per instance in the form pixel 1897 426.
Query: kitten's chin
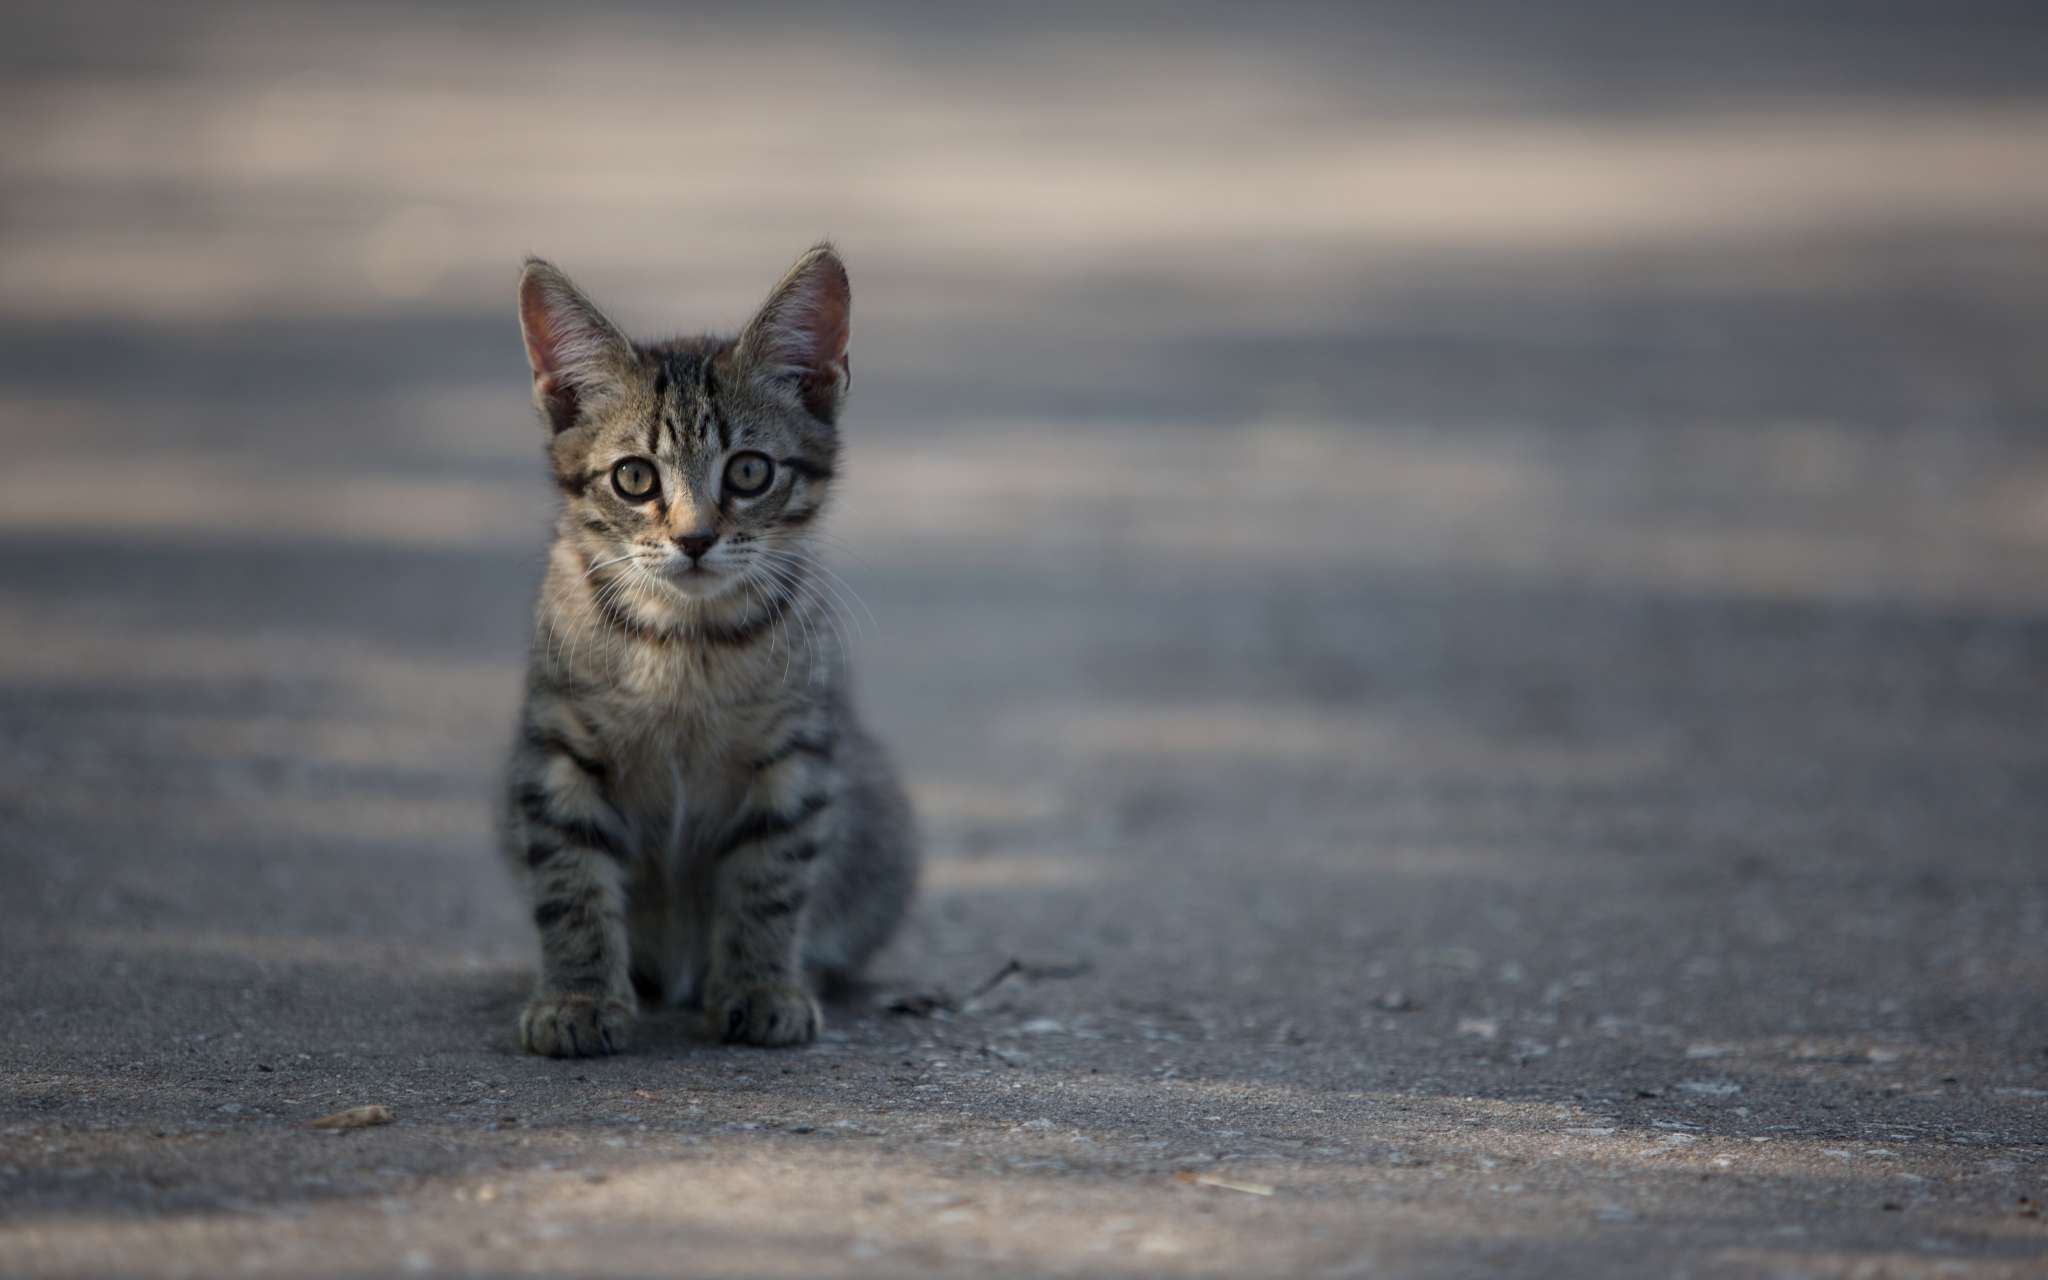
pixel 697 586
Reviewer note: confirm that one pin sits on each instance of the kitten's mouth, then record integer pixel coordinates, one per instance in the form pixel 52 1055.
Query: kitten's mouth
pixel 696 581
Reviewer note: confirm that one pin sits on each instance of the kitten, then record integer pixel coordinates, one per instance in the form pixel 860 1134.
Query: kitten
pixel 693 804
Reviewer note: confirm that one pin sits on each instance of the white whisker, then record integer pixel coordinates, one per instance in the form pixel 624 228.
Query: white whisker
pixel 794 586
pixel 630 555
pixel 839 584
pixel 835 601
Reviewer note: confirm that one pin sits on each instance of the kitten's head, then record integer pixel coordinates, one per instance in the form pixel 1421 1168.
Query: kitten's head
pixel 695 465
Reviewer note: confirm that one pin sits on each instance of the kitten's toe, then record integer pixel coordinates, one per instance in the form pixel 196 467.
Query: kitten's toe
pixel 771 1014
pixel 575 1026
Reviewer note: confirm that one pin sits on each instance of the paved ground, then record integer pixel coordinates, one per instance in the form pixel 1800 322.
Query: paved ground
pixel 1467 596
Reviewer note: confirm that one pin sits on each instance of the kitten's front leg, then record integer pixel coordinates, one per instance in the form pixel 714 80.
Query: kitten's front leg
pixel 756 992
pixel 574 850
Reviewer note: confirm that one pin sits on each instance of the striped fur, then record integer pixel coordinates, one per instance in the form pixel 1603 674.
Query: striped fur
pixel 691 801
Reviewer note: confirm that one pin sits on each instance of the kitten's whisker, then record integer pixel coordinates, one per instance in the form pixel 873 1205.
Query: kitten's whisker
pixel 791 575
pixel 838 601
pixel 832 576
pixel 795 587
pixel 630 555
pixel 585 618
pixel 833 621
pixel 780 634
pixel 611 588
pixel 639 578
pixel 547 644
pixel 591 603
pixel 787 641
pixel 791 590
pixel 839 637
pixel 840 582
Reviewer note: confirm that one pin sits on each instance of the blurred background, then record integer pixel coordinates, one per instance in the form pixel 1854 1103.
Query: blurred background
pixel 1531 511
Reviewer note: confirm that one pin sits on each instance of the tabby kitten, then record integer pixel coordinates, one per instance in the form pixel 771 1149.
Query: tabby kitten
pixel 692 801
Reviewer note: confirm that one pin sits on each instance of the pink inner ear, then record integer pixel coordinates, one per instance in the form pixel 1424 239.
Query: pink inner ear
pixel 810 324
pixel 804 324
pixel 537 327
pixel 822 320
pixel 540 327
pixel 831 312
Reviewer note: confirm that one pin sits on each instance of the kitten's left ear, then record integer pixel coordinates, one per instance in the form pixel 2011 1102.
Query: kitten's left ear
pixel 796 345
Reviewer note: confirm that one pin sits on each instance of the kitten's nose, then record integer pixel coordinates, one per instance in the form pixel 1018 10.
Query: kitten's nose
pixel 694 545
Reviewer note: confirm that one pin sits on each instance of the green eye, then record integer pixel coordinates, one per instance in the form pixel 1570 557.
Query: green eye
pixel 748 473
pixel 635 479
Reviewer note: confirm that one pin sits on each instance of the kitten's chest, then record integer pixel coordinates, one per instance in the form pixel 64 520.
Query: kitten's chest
pixel 686 770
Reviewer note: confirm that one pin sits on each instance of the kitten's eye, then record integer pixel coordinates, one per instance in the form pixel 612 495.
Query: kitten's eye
pixel 748 473
pixel 635 479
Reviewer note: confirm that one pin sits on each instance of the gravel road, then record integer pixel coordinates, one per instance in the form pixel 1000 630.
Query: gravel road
pixel 1464 600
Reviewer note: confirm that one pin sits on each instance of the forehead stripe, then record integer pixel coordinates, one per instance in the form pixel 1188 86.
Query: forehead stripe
pixel 654 422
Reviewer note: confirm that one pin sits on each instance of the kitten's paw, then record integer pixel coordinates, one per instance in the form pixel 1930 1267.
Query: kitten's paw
pixel 770 1013
pixel 575 1026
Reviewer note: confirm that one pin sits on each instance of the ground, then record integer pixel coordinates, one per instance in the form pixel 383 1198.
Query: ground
pixel 1464 603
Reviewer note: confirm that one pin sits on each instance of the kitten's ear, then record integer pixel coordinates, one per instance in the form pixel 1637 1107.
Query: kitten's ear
pixel 579 358
pixel 796 345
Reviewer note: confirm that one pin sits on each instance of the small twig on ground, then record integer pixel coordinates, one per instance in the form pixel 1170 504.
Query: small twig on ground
pixel 925 1004
pixel 1016 968
pixel 1002 975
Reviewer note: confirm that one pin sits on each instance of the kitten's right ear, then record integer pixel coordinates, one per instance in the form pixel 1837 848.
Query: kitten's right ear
pixel 579 358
